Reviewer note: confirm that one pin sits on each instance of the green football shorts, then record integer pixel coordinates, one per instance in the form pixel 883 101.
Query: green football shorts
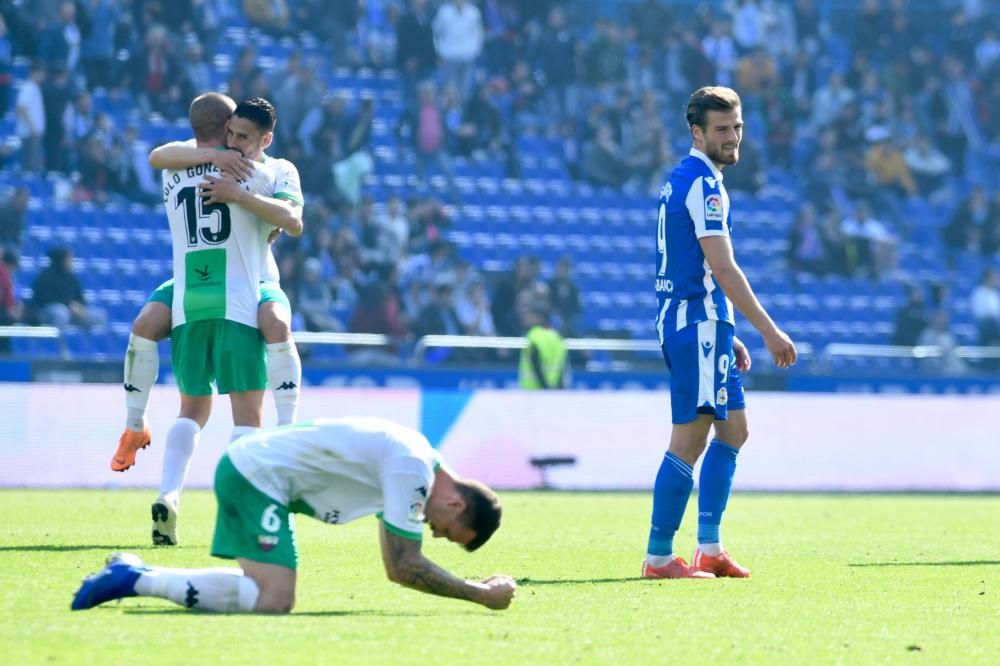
pixel 232 355
pixel 249 524
pixel 270 292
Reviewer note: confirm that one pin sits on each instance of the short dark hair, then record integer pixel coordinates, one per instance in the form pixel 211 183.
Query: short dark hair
pixel 482 511
pixel 208 115
pixel 258 111
pixel 710 98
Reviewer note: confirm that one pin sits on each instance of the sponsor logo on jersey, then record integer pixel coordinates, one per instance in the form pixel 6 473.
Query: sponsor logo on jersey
pixel 722 397
pixel 666 191
pixel 706 347
pixel 204 273
pixel 267 542
pixel 713 208
pixel 422 490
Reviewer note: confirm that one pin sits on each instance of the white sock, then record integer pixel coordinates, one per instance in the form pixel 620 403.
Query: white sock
pixel 142 364
pixel 712 549
pixel 182 438
pixel 221 589
pixel 284 376
pixel 659 560
pixel 239 431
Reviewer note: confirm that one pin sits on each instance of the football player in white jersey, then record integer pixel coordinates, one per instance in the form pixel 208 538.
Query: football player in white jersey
pixel 333 470
pixel 284 368
pixel 220 249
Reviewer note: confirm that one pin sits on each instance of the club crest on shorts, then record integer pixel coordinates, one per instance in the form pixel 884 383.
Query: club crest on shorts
pixel 722 397
pixel 267 542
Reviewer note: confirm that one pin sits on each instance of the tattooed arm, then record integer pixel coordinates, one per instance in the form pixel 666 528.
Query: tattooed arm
pixel 406 565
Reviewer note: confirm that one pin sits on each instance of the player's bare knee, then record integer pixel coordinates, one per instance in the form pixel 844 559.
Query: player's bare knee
pixel 275 601
pixel 275 323
pixel 153 322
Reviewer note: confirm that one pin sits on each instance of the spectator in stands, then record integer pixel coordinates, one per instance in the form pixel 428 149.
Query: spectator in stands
pixel 77 123
pixel 965 229
pixel 458 38
pixel 11 309
pixel 806 252
pixel 556 55
pixel 30 111
pixel 938 334
pixel 720 48
pixel 438 317
pixel 156 76
pixel 355 142
pixel 428 220
pixel 911 318
pixel 473 310
pixel 756 72
pixel 59 43
pixel 505 297
pixel 748 25
pixel 6 67
pixel 197 74
pixel 58 93
pixel 985 301
pixel 605 57
pixel 379 311
pixel 425 125
pixel 103 169
pixel 57 296
pixel 885 164
pixel 747 175
pixel 144 187
pixel 396 228
pixel 416 56
pixel 839 261
pixel 829 99
pixel 13 208
pixel 930 167
pixel 873 243
pixel 98 49
pixel 604 160
pixel 315 300
pixel 565 297
pixel 271 16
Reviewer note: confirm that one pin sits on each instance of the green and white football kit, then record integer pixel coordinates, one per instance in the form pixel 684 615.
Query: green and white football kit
pixel 333 470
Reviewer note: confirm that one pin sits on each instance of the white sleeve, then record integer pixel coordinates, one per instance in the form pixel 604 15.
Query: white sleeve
pixel 406 484
pixel 287 184
pixel 706 210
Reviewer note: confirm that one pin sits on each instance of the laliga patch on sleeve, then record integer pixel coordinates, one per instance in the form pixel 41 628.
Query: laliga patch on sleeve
pixel 713 211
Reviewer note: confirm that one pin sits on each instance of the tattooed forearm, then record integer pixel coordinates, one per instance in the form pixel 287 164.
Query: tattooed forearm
pixel 428 577
pixel 407 566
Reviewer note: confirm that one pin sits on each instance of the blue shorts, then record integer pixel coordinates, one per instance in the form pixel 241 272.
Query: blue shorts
pixel 703 376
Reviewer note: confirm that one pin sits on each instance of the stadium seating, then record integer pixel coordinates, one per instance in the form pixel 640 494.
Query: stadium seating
pixel 123 251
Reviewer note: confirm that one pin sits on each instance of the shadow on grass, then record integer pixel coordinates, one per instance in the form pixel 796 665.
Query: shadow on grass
pixel 50 548
pixel 954 563
pixel 527 582
pixel 366 612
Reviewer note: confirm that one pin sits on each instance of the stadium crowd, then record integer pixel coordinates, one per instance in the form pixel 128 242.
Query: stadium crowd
pixel 864 107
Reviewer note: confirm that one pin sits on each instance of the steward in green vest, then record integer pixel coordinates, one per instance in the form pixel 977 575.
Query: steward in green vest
pixel 543 359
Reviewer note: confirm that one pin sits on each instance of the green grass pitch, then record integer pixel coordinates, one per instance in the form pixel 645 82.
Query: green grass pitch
pixel 854 579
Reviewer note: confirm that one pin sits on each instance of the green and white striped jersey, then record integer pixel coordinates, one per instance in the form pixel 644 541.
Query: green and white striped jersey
pixel 220 251
pixel 337 470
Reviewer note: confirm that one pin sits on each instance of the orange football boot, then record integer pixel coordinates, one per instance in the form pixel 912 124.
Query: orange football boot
pixel 129 444
pixel 722 565
pixel 675 568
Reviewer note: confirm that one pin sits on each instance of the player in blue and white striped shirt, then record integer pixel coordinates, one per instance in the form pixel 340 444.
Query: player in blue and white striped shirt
pixel 697 284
